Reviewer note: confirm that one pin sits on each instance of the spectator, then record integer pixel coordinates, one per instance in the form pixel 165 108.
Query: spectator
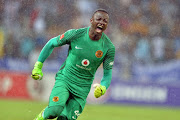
pixel 142 52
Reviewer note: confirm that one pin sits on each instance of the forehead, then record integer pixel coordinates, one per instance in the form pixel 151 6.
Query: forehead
pixel 101 14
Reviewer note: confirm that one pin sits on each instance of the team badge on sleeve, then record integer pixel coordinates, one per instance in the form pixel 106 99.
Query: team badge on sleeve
pixel 62 36
pixel 55 99
pixel 99 54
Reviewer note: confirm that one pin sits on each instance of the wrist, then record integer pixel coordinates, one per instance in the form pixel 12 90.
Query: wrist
pixel 38 65
pixel 103 89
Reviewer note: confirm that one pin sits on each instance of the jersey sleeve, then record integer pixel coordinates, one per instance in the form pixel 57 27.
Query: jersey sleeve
pixel 107 66
pixel 66 37
pixel 47 49
pixel 109 59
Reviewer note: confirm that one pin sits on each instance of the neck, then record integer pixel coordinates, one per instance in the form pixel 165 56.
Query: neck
pixel 94 36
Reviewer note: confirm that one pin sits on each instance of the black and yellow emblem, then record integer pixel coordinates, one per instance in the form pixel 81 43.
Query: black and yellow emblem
pixel 55 99
pixel 99 54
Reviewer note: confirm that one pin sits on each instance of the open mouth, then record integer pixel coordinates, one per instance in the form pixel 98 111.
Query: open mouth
pixel 99 29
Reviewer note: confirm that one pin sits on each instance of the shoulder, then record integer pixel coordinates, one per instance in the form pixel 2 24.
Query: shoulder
pixel 81 30
pixel 108 42
pixel 77 32
pixel 72 34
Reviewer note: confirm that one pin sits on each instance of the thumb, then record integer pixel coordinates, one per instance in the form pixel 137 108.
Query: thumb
pixel 96 85
pixel 36 77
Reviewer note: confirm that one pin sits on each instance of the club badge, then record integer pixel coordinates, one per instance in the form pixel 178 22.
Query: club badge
pixel 85 62
pixel 55 99
pixel 99 54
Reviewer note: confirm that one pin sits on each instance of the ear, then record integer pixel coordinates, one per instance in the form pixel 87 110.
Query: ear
pixel 91 20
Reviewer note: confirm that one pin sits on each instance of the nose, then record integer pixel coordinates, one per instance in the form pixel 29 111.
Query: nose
pixel 102 22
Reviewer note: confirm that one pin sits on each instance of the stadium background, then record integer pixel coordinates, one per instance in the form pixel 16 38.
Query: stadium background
pixel 146 74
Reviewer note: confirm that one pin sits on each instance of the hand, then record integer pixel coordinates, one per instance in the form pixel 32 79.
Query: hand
pixel 99 90
pixel 37 71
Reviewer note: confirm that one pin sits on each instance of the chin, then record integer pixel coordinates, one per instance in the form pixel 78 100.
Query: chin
pixel 99 33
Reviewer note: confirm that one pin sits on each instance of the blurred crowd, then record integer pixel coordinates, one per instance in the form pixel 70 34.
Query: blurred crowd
pixel 143 31
pixel 147 31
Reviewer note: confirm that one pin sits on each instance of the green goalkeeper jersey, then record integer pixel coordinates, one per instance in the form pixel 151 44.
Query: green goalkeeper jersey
pixel 85 55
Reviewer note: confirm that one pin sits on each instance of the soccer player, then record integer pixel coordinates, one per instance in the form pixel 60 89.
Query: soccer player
pixel 88 48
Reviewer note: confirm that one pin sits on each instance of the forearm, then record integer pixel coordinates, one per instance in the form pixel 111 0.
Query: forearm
pixel 48 49
pixel 106 80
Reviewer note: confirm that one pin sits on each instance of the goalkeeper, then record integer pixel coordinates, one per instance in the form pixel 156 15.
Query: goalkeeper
pixel 88 48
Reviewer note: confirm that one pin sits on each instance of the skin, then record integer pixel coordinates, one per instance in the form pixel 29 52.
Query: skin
pixel 99 19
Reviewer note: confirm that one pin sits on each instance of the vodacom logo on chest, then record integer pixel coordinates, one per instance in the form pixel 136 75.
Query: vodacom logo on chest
pixel 85 62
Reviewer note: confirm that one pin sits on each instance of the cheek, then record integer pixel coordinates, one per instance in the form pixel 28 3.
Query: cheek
pixel 106 26
pixel 94 23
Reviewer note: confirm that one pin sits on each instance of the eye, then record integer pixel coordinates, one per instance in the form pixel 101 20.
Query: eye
pixel 98 19
pixel 105 20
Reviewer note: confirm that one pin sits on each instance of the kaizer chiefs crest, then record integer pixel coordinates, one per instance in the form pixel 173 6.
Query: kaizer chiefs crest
pixel 99 54
pixel 55 99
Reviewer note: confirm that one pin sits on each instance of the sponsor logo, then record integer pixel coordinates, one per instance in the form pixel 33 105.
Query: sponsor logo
pixel 150 94
pixel 85 62
pixel 55 99
pixel 83 67
pixel 76 112
pixel 34 87
pixel 99 54
pixel 6 85
pixel 111 63
pixel 62 36
pixel 78 47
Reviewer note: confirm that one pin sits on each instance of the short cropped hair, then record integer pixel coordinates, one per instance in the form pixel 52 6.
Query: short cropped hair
pixel 100 10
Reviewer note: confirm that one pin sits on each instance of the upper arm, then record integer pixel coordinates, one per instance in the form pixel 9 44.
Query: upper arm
pixel 109 58
pixel 66 37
